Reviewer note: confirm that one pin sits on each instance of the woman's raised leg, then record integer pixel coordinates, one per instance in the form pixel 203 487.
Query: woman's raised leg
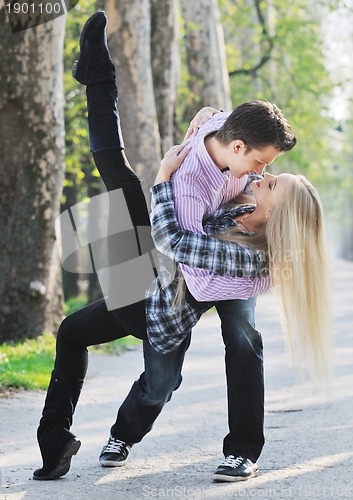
pixel 96 70
pixel 93 324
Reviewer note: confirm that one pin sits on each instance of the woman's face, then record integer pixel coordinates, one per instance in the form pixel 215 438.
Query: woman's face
pixel 271 190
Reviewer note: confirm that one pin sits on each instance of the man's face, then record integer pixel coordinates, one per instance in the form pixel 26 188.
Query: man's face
pixel 241 162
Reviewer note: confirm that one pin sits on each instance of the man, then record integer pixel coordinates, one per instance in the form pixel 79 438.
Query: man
pixel 226 149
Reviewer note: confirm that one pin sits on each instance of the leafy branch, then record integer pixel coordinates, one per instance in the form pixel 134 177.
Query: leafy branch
pixel 266 37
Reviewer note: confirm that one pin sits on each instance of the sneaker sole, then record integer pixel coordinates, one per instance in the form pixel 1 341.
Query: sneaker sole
pixel 112 463
pixel 220 478
pixel 64 463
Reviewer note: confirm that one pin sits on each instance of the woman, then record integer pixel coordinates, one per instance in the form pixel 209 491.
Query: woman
pixel 95 324
pixel 285 219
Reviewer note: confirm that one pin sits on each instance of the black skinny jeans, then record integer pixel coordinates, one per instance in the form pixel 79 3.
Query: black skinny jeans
pixel 94 324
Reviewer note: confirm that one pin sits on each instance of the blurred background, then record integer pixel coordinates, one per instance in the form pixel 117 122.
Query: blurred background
pixel 173 57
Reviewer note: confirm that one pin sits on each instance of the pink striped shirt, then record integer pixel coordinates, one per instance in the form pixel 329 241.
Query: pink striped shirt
pixel 199 188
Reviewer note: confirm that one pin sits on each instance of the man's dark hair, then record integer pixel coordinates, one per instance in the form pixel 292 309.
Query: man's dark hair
pixel 258 124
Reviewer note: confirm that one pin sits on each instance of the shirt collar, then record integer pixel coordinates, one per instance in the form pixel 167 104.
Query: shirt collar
pixel 212 173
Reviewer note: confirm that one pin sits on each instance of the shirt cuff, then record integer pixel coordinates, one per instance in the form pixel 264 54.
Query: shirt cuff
pixel 162 192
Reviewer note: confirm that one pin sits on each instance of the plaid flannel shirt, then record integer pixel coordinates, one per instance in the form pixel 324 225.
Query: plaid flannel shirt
pixel 168 324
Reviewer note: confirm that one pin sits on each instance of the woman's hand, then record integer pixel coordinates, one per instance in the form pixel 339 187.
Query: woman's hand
pixel 171 162
pixel 200 118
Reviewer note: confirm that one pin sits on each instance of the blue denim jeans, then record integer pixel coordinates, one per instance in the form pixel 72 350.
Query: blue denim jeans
pixel 245 388
pixel 150 392
pixel 245 382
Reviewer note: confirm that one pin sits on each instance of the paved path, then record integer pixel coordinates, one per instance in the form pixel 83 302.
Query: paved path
pixel 309 449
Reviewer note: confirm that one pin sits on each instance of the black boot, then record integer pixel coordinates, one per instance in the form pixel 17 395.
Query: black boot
pixel 96 70
pixel 94 65
pixel 57 444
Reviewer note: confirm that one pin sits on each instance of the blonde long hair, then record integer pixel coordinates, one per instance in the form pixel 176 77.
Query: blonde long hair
pixel 299 271
pixel 294 240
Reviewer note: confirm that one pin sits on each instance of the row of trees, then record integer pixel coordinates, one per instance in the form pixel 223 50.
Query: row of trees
pixel 340 199
pixel 173 57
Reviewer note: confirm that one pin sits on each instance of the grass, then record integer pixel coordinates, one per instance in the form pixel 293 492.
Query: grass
pixel 28 364
pixel 74 304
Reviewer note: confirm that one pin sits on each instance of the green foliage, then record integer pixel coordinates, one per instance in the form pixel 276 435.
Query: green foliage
pixel 184 97
pixel 287 35
pixel 26 365
pixel 295 77
pixel 74 304
pixel 79 164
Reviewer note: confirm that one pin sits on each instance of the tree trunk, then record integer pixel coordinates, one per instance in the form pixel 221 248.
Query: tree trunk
pixel 346 250
pixel 165 66
pixel 70 280
pixel 206 59
pixel 94 188
pixel 31 173
pixel 129 40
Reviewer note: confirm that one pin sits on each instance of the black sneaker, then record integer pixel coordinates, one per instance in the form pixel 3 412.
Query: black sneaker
pixel 235 469
pixel 114 453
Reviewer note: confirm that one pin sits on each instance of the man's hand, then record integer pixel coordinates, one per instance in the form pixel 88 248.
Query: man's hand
pixel 171 162
pixel 200 118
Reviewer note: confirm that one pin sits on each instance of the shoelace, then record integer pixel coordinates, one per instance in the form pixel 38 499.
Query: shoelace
pixel 232 461
pixel 114 445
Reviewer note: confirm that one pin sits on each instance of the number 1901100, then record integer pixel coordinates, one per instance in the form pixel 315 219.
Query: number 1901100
pixel 34 8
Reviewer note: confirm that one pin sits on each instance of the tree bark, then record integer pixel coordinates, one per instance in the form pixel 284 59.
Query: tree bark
pixel 206 59
pixel 165 66
pixel 129 37
pixel 70 280
pixel 346 250
pixel 94 188
pixel 31 173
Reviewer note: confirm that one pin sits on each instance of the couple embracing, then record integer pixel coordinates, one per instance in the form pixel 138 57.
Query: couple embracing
pixel 231 239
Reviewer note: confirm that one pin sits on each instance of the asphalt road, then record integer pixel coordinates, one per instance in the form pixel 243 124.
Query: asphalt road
pixel 309 435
